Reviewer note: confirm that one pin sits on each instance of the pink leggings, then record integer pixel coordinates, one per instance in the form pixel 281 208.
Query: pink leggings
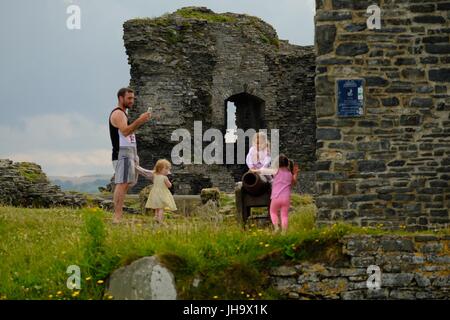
pixel 275 206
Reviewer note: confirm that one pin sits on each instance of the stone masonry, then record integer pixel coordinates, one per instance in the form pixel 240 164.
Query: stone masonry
pixel 188 64
pixel 411 267
pixel 24 184
pixel 392 164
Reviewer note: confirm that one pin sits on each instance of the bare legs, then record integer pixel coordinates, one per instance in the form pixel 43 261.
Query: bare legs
pixel 159 215
pixel 120 191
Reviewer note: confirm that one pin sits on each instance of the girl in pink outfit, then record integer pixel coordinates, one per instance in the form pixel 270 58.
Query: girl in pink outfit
pixel 281 191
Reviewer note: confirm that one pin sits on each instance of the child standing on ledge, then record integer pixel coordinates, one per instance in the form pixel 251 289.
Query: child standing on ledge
pixel 160 197
pixel 281 191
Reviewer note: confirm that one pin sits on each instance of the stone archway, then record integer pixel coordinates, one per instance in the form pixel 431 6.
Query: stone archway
pixel 242 111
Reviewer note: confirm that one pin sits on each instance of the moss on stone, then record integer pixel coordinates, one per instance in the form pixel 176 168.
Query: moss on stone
pixel 202 14
pixel 173 36
pixel 264 36
pixel 163 21
pixel 31 172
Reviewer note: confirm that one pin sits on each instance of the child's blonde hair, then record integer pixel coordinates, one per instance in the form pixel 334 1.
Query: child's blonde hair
pixel 260 138
pixel 161 164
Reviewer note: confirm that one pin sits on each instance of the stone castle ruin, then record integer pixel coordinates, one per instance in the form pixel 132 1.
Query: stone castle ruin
pixel 385 162
pixel 190 65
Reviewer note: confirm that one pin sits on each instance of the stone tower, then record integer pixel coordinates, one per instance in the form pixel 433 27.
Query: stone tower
pixel 191 64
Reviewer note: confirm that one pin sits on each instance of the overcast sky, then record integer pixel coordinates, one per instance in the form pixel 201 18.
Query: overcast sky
pixel 58 86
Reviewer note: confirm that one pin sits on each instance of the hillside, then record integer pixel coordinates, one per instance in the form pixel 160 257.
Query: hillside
pixel 87 184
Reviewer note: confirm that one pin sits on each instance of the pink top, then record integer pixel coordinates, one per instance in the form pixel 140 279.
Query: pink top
pixel 281 186
pixel 258 159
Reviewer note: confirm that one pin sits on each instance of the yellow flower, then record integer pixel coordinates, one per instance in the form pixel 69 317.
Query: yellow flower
pixel 76 294
pixel 242 292
pixel 248 295
pixel 267 245
pixel 215 297
pixel 88 278
pixel 59 293
pixel 50 296
pixel 260 294
pixel 261 243
pixel 110 297
pixel 100 281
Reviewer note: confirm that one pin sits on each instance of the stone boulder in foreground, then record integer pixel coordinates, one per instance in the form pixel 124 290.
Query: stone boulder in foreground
pixel 144 279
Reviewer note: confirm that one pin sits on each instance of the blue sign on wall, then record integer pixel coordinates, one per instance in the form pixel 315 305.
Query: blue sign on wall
pixel 350 97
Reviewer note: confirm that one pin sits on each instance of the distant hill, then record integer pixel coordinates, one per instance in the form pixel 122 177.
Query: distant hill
pixel 88 184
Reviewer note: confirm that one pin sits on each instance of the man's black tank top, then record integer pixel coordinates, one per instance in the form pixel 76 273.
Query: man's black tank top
pixel 114 135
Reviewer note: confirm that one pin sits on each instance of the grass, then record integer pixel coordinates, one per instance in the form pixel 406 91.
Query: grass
pixel 192 13
pixel 29 171
pixel 38 245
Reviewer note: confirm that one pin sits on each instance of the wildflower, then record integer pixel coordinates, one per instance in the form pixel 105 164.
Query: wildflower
pixel 76 294
pixel 88 278
pixel 100 281
pixel 266 245
pixel 260 294
pixel 215 297
pixel 50 296
pixel 242 292
pixel 261 243
pixel 110 297
pixel 248 296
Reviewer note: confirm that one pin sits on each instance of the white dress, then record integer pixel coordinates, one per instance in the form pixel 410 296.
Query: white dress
pixel 160 196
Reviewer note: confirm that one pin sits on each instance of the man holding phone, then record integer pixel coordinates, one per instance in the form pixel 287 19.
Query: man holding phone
pixel 124 150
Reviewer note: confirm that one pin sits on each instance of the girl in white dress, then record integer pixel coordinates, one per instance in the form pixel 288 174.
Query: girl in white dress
pixel 160 197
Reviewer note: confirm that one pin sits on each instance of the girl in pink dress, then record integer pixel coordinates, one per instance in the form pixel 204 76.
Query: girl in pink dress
pixel 282 183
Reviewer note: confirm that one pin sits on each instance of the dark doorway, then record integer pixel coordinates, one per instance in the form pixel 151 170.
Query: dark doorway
pixel 242 111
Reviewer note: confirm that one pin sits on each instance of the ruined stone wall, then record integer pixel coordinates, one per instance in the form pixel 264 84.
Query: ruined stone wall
pixel 392 164
pixel 24 184
pixel 411 267
pixel 188 63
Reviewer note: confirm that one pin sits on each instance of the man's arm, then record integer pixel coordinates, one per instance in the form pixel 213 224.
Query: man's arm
pixel 119 120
